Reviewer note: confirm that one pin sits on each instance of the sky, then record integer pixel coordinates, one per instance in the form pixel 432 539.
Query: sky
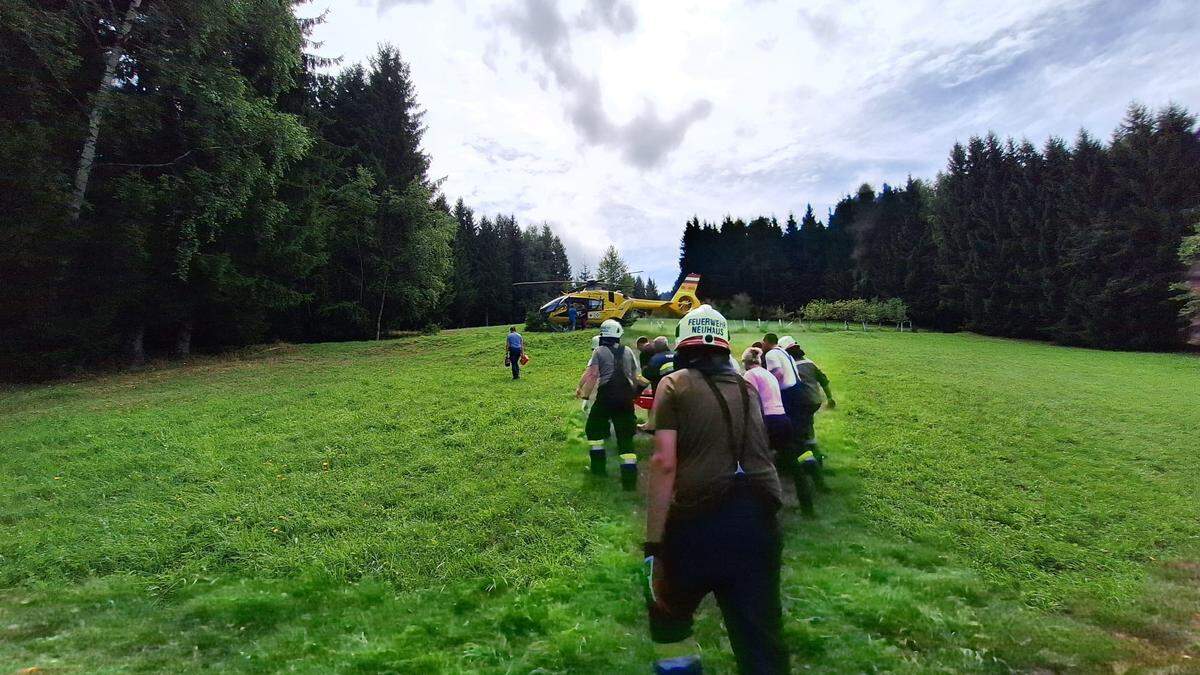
pixel 616 121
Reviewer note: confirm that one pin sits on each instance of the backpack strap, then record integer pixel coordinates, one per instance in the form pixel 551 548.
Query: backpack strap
pixel 739 449
pixel 791 362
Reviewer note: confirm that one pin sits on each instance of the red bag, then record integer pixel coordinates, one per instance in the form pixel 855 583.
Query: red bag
pixel 524 358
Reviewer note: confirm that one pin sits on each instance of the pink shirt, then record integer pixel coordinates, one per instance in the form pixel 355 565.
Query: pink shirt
pixel 768 390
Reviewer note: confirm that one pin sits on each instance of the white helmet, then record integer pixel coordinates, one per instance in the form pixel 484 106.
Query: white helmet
pixel 702 326
pixel 611 328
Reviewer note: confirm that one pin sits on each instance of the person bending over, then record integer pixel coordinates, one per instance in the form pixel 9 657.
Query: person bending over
pixel 813 383
pixel 779 425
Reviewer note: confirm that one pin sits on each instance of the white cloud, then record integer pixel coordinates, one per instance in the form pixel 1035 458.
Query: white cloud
pixel 616 121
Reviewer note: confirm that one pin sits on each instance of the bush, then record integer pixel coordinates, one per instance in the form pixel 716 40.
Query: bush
pixel 856 310
pixel 535 322
pixel 740 307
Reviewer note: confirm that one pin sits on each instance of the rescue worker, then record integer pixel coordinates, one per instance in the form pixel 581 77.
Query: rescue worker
pixel 614 369
pixel 572 316
pixel 660 363
pixel 779 425
pixel 814 382
pixel 516 347
pixel 712 500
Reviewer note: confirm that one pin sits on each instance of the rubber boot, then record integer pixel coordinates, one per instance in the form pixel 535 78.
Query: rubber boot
pixel 599 458
pixel 679 665
pixel 813 469
pixel 677 658
pixel 629 471
pixel 804 493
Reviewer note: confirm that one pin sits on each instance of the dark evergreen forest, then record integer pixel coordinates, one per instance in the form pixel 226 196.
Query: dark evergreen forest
pixel 1080 244
pixel 188 175
pixel 193 176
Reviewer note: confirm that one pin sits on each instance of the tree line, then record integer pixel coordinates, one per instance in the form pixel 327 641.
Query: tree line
pixel 190 175
pixel 1080 244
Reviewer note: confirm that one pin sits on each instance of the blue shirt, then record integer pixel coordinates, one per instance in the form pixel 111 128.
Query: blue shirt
pixel 514 341
pixel 571 312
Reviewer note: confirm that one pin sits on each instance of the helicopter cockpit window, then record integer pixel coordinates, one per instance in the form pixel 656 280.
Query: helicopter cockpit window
pixel 552 305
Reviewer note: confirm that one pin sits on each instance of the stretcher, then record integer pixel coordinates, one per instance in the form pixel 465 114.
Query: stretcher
pixel 645 400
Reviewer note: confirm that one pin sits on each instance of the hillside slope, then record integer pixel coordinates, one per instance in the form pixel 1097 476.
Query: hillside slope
pixel 404 506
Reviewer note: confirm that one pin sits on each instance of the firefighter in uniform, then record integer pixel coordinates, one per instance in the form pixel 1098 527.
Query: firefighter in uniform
pixel 713 495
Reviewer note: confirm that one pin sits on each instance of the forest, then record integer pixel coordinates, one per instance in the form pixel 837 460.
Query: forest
pixel 1082 244
pixel 192 175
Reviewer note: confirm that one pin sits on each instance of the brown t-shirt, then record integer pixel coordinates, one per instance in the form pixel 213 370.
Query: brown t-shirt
pixel 705 464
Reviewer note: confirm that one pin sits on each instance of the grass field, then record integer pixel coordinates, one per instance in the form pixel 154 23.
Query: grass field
pixel 402 506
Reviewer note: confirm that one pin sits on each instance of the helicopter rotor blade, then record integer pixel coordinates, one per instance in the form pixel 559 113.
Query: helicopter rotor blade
pixel 538 283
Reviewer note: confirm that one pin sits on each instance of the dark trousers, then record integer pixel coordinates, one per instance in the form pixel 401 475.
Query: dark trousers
pixel 514 355
pixel 801 413
pixel 803 421
pixel 786 449
pixel 779 431
pixel 624 422
pixel 733 552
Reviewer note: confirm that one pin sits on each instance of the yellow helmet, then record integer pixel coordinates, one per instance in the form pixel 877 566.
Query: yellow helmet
pixel 702 326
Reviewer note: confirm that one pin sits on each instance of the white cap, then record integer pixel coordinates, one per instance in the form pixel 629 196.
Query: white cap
pixel 786 341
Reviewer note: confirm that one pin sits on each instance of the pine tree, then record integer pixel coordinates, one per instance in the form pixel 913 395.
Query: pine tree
pixel 612 271
pixel 465 292
pixel 651 289
pixel 1189 253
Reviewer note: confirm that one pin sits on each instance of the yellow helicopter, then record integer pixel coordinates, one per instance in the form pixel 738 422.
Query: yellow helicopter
pixel 594 304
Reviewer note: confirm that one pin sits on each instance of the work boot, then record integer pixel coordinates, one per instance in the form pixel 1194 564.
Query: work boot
pixel 804 494
pixel 677 658
pixel 679 665
pixel 815 472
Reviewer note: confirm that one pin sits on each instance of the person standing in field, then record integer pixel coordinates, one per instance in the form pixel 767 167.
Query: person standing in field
pixel 613 368
pixel 516 348
pixel 779 425
pixel 572 316
pixel 712 500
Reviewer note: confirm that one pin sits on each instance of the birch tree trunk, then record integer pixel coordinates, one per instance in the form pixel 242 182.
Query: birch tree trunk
pixel 379 317
pixel 88 157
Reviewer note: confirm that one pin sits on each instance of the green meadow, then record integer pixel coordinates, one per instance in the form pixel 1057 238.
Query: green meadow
pixel 403 506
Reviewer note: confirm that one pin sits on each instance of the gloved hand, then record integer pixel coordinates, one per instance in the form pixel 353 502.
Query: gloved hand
pixel 652 572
